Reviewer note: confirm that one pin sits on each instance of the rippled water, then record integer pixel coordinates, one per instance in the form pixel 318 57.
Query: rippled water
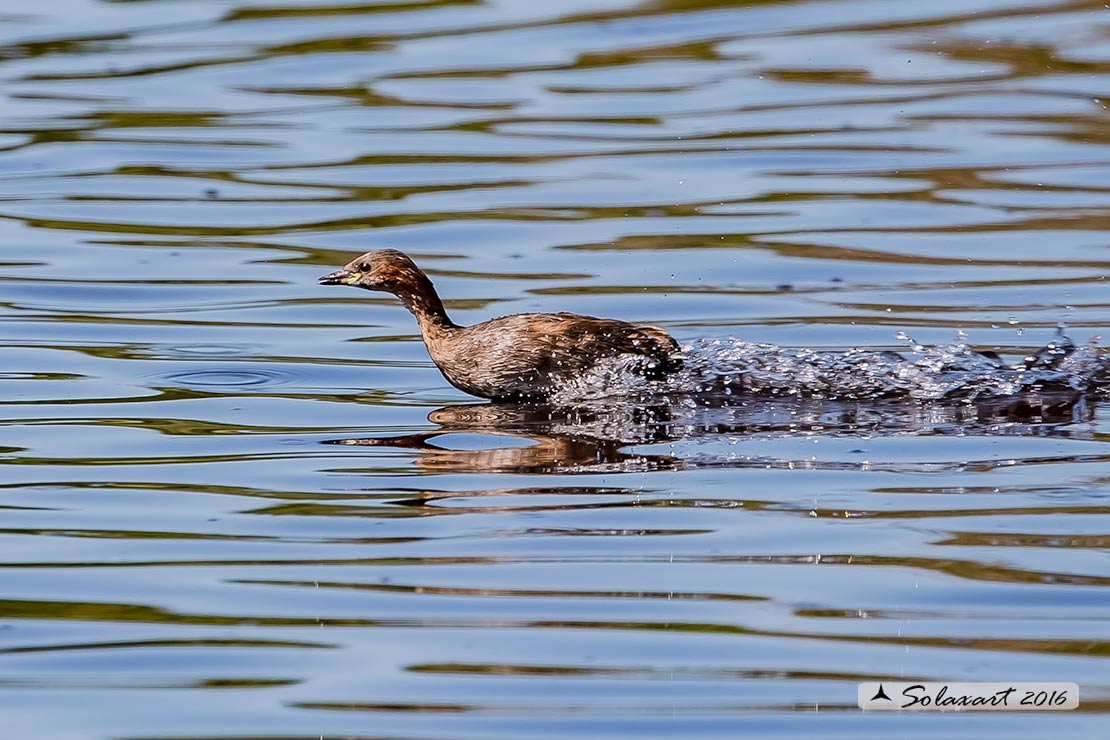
pixel 235 504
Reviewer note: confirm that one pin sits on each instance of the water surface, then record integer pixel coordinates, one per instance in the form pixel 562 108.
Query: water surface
pixel 236 504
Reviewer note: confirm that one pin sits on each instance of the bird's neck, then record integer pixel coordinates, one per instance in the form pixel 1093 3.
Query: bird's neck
pixel 419 296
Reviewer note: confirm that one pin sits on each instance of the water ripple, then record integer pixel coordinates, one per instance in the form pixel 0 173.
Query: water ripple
pixel 228 376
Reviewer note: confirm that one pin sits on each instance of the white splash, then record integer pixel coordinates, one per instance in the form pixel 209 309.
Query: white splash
pixel 733 367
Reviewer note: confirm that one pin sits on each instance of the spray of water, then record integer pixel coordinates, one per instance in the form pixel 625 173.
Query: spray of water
pixel 722 368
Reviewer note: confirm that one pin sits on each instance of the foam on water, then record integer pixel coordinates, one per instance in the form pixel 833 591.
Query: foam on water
pixel 717 369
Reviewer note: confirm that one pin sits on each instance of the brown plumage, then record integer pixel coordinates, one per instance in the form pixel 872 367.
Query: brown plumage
pixel 513 358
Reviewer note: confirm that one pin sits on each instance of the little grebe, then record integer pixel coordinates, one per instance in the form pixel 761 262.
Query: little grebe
pixel 513 358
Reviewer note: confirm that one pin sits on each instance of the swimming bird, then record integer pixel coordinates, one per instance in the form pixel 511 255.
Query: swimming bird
pixel 523 357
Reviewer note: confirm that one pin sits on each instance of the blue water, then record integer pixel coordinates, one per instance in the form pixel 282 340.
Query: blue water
pixel 236 504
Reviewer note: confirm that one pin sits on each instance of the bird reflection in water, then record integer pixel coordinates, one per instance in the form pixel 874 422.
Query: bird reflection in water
pixel 604 438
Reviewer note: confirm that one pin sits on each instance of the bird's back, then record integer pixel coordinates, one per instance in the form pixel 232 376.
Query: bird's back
pixel 524 356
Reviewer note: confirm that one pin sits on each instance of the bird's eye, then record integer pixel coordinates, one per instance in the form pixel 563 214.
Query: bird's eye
pixel 364 267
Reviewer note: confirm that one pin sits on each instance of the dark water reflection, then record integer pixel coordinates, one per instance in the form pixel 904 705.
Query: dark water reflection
pixel 236 505
pixel 525 438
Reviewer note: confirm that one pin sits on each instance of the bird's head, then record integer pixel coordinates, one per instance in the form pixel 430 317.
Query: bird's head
pixel 382 269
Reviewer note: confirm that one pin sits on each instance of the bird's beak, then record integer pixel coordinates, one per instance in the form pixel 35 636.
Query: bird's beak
pixel 340 277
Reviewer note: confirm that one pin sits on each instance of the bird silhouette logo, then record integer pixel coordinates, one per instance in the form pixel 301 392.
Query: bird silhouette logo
pixel 881 694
